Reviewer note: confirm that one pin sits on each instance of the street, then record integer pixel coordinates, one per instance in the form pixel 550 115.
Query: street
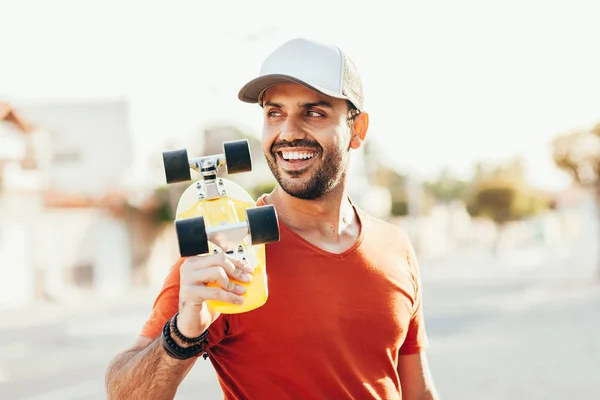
pixel 528 334
pixel 496 332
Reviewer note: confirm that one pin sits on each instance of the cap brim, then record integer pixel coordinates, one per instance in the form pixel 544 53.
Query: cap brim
pixel 251 91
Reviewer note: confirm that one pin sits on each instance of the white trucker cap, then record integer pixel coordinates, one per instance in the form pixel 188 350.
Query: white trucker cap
pixel 321 67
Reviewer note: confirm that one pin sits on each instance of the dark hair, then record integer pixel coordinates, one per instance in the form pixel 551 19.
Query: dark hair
pixel 352 112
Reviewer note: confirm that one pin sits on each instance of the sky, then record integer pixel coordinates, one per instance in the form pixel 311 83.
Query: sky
pixel 446 83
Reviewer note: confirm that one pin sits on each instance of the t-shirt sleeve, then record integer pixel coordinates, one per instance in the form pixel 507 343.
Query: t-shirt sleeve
pixel 416 336
pixel 166 305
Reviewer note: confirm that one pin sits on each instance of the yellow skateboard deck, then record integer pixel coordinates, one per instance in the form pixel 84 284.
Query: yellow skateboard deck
pixel 215 214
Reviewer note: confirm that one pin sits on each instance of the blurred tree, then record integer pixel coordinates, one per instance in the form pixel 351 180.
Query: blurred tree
pixel 262 188
pixel 396 184
pixel 578 153
pixel 503 202
pixel 502 195
pixel 447 188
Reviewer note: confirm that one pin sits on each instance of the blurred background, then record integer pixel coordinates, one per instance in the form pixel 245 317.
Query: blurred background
pixel 484 146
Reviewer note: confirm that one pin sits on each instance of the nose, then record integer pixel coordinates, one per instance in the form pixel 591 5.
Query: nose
pixel 291 130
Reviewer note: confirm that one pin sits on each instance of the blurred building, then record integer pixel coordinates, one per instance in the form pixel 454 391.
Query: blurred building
pixel 64 223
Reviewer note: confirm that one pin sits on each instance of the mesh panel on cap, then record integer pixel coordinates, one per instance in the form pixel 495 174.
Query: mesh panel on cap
pixel 352 84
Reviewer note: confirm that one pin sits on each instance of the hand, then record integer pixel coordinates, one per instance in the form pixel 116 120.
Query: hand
pixel 208 278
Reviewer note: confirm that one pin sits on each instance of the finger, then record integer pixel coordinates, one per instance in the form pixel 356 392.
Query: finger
pixel 201 261
pixel 202 293
pixel 236 270
pixel 193 263
pixel 222 259
pixel 215 275
pixel 244 265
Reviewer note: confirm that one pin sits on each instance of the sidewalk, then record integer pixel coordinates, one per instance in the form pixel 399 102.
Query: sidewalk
pixel 482 262
pixel 46 312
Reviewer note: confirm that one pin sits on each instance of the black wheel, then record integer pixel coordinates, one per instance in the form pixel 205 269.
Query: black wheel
pixel 263 224
pixel 177 167
pixel 237 156
pixel 191 234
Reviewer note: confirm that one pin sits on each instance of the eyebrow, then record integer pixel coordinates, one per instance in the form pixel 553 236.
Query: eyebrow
pixel 320 103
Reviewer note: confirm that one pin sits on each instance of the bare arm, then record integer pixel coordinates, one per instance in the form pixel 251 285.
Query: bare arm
pixel 145 371
pixel 415 377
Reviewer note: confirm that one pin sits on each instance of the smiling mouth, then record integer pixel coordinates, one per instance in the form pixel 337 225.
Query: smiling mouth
pixel 295 162
pixel 295 156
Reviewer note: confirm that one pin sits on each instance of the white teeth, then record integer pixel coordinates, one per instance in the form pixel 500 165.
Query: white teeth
pixel 291 155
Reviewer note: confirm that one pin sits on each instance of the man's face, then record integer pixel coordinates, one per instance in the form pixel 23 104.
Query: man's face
pixel 306 139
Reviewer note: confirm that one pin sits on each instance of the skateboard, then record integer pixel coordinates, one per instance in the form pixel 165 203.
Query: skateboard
pixel 215 214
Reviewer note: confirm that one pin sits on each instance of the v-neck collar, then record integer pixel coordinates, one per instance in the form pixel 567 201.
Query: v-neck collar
pixel 362 220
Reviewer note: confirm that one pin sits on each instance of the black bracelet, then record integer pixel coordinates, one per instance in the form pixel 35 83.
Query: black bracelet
pixel 185 339
pixel 176 351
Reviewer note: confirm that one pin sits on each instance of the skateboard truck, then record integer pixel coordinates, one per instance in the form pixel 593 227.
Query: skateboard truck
pixel 261 224
pixel 236 157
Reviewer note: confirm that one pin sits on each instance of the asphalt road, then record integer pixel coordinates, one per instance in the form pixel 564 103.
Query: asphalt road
pixel 497 331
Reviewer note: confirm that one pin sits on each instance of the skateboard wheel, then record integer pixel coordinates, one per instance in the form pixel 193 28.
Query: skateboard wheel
pixel 177 167
pixel 237 156
pixel 191 234
pixel 263 224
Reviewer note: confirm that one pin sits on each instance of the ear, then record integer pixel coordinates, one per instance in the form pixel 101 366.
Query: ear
pixel 359 130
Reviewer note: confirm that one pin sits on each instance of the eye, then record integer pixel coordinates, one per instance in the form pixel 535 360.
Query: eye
pixel 274 114
pixel 315 114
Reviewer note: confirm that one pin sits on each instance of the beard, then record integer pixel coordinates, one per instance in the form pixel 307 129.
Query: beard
pixel 324 174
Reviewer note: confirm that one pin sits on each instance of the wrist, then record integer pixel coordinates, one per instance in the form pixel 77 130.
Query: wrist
pixel 186 337
pixel 178 346
pixel 188 325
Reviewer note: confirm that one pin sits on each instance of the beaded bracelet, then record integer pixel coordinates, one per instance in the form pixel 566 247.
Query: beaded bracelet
pixel 186 339
pixel 178 352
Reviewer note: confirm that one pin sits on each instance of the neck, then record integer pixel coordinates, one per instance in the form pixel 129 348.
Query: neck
pixel 329 215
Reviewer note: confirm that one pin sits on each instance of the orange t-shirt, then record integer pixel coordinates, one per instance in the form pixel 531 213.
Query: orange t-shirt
pixel 333 324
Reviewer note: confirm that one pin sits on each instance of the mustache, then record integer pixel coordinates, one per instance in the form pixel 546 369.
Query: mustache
pixel 281 144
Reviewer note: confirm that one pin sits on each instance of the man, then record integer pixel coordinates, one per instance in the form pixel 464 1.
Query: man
pixel 343 319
